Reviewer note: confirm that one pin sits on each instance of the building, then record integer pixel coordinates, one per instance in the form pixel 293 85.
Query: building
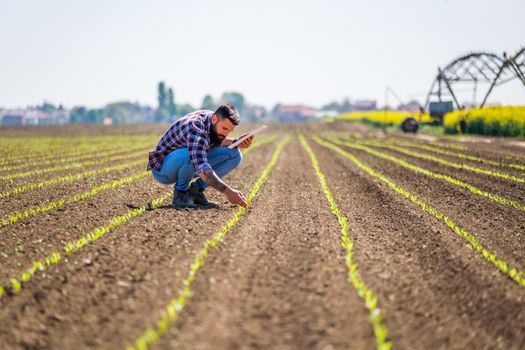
pixel 259 112
pixel 412 106
pixel 33 116
pixel 12 117
pixel 364 105
pixel 327 113
pixel 296 113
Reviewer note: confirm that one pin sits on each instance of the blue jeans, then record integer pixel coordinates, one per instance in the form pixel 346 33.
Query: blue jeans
pixel 177 168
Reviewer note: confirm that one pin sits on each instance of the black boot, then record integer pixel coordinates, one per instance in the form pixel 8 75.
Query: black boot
pixel 200 199
pixel 183 199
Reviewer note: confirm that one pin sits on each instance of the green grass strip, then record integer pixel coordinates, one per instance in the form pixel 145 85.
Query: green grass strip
pixel 176 305
pixel 375 315
pixel 24 214
pixel 493 173
pixel 487 195
pixel 16 283
pixel 512 273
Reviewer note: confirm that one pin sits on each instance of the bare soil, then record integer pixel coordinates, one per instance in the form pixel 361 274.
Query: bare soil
pixel 279 279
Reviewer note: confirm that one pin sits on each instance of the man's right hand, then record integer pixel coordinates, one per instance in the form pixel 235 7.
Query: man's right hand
pixel 236 197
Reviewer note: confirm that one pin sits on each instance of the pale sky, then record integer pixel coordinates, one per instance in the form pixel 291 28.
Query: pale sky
pixel 78 52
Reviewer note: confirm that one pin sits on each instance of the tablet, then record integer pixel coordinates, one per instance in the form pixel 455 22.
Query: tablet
pixel 251 133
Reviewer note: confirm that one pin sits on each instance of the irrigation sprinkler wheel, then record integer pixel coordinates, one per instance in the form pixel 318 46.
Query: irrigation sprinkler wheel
pixel 410 124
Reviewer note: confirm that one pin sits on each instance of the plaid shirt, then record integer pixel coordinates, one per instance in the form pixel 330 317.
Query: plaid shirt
pixel 191 131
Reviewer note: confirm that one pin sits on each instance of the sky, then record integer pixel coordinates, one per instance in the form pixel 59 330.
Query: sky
pixel 309 52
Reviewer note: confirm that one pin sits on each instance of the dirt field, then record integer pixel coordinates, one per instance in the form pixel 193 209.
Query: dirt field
pixel 353 239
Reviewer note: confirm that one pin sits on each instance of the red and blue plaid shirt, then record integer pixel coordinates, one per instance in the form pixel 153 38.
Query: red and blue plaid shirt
pixel 191 131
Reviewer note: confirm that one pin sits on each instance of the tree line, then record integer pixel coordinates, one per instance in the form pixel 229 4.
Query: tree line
pixel 167 110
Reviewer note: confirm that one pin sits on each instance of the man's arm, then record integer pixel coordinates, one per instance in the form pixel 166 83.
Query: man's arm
pixel 197 143
pixel 234 196
pixel 213 180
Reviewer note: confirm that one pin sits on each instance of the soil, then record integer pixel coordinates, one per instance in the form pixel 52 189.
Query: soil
pixel 279 279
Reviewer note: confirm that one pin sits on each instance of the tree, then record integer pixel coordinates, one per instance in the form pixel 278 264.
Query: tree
pixel 162 96
pixel 77 115
pixel 331 106
pixel 234 98
pixel 208 103
pixel 94 116
pixel 185 109
pixel 275 110
pixel 162 111
pixel 172 108
pixel 342 107
pixel 82 115
pixel 346 106
pixel 47 107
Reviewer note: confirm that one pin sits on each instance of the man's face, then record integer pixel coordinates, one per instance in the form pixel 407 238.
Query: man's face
pixel 220 128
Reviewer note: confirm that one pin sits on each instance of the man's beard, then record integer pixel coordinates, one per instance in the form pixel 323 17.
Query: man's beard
pixel 215 139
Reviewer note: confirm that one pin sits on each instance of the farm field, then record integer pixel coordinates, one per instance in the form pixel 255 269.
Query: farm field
pixel 353 239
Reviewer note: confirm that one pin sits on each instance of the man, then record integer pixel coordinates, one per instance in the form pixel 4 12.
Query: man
pixel 197 145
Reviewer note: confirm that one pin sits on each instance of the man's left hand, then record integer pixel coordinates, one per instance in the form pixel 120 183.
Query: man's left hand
pixel 246 143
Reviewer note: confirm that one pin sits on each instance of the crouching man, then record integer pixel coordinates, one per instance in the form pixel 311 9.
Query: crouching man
pixel 197 146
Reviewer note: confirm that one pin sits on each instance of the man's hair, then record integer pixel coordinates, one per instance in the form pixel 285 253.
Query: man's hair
pixel 229 111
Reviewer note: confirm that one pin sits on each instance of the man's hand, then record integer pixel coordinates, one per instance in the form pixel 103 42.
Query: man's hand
pixel 246 143
pixel 236 197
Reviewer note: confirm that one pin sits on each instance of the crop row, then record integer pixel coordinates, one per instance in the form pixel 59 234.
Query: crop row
pixel 53 258
pixel 446 178
pixel 15 283
pixel 99 161
pixel 91 149
pixel 80 154
pixel 28 143
pixel 20 155
pixel 442 161
pixel 375 315
pixel 176 305
pixel 68 178
pixel 28 213
pixel 74 158
pixel 444 146
pixel 461 155
pixel 514 274
pixel 13 160
pixel 13 152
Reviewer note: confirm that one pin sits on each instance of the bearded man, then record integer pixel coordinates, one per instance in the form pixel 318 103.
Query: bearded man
pixel 196 145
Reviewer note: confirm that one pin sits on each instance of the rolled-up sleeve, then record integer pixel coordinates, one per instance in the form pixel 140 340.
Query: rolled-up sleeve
pixel 198 149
